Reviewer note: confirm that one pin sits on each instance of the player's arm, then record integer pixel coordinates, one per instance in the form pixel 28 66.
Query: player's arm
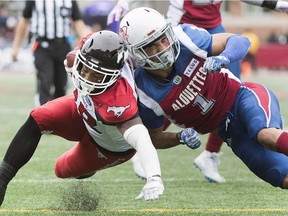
pixel 119 11
pixel 20 32
pixel 164 139
pixel 136 134
pixel 226 48
pixel 81 29
pixel 273 5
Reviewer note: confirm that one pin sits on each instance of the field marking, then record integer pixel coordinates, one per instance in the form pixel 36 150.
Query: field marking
pixel 168 210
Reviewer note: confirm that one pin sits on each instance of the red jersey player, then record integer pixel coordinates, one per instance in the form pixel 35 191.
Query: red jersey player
pixel 102 117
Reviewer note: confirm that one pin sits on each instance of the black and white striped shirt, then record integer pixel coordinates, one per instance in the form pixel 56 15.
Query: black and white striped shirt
pixel 51 18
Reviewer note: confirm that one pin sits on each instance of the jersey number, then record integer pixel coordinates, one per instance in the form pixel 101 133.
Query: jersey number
pixel 204 104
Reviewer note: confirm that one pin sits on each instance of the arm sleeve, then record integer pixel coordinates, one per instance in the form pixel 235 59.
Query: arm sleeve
pixel 236 48
pixel 27 12
pixel 76 15
pixel 263 3
pixel 138 137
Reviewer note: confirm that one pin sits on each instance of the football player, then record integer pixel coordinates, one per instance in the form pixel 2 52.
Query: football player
pixel 102 116
pixel 176 80
pixel 204 14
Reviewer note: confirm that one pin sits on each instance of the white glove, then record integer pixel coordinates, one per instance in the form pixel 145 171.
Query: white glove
pixel 68 70
pixel 118 12
pixel 282 6
pixel 152 189
pixel 215 63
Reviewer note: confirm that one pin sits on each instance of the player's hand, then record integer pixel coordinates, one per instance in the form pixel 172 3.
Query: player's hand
pixel 3 187
pixel 215 63
pixel 282 6
pixel 14 55
pixel 118 12
pixel 189 137
pixel 69 70
pixel 152 189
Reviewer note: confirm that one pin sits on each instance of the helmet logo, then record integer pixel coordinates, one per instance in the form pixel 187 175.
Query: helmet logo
pixel 123 32
pixel 118 111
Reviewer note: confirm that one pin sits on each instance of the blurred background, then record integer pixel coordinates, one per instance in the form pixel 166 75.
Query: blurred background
pixel 266 28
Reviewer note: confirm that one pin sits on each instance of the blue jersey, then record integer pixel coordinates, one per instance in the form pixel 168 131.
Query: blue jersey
pixel 214 101
pixel 190 91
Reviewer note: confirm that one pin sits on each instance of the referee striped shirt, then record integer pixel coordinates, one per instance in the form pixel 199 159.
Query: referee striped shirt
pixel 51 19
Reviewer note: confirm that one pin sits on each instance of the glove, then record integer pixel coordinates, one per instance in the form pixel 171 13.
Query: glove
pixel 189 137
pixel 282 6
pixel 152 189
pixel 118 12
pixel 69 70
pixel 215 63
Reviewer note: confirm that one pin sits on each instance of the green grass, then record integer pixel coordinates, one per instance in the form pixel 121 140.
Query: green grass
pixel 36 191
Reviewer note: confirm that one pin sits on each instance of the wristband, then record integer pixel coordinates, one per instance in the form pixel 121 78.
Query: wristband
pixel 269 4
pixel 178 138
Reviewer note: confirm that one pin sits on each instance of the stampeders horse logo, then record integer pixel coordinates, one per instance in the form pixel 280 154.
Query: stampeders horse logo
pixel 118 111
pixel 123 33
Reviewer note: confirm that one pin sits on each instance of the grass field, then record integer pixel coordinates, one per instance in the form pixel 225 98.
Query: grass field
pixel 36 191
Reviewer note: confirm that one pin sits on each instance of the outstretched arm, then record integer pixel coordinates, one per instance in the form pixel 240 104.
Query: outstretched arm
pixel 135 133
pixel 119 11
pixel 163 139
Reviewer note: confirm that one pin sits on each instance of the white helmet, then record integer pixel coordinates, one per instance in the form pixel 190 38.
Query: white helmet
pixel 142 26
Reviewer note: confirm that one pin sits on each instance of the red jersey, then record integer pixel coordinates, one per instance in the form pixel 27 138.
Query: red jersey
pixel 202 13
pixel 101 113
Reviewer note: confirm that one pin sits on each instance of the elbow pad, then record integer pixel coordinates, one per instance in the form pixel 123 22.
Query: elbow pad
pixel 236 48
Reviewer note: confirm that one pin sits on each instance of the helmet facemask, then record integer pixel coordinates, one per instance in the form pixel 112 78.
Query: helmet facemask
pixel 87 87
pixel 165 58
pixel 99 60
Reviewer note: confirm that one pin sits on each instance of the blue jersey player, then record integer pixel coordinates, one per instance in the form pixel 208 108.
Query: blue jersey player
pixel 177 81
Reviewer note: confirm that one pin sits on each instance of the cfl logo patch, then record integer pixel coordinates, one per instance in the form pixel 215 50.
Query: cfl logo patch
pixel 177 80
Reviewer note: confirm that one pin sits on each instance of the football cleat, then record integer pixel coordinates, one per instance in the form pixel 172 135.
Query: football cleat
pixel 208 163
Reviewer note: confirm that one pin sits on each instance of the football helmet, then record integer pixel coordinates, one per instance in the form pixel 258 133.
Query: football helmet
pixel 105 53
pixel 141 27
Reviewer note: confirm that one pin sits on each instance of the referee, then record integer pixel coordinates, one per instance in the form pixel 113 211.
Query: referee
pixel 50 23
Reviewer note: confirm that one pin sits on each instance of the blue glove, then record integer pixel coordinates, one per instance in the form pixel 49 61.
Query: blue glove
pixel 189 137
pixel 215 63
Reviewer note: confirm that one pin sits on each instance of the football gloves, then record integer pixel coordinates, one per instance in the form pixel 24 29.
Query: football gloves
pixel 215 63
pixel 189 137
pixel 69 70
pixel 118 12
pixel 152 189
pixel 282 6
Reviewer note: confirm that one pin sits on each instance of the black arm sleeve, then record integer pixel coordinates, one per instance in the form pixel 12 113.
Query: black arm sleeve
pixel 76 15
pixel 269 4
pixel 23 145
pixel 29 6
